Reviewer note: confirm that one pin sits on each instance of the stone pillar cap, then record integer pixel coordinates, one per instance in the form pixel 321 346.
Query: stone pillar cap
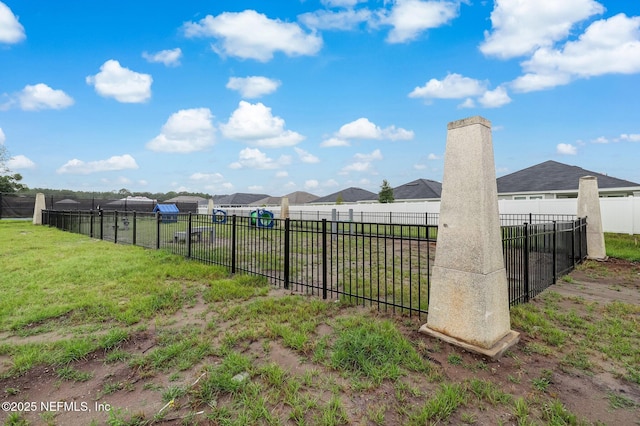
pixel 469 122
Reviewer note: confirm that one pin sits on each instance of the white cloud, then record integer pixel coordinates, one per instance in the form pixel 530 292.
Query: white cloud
pixel 433 156
pixel 468 103
pixel 341 3
pixel 495 98
pixel 206 177
pixel 453 86
pixel 374 155
pixel 566 149
pixel 311 184
pixel 362 162
pixel 396 134
pixel 20 162
pixel 333 142
pixel 117 162
pixel 122 84
pixel 251 35
pixel 331 20
pixel 282 174
pixel 601 140
pixel 253 87
pixel 409 18
pixel 456 86
pixel 253 158
pixel 11 31
pixel 357 166
pixel 314 184
pixel 170 57
pixel 534 82
pixel 608 46
pixel 255 124
pixel 40 96
pixel 305 156
pixel 630 137
pixel 521 27
pixel 362 128
pixel 187 130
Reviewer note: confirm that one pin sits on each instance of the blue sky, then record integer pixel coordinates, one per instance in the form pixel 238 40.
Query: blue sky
pixel 304 95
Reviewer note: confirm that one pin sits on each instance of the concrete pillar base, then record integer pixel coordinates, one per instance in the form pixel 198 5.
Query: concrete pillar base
pixel 494 352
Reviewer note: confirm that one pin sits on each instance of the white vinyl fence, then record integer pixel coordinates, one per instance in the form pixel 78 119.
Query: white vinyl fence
pixel 619 215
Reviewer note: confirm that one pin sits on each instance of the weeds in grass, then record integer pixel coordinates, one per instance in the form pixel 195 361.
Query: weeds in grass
pixel 375 350
pixel 617 401
pixel 555 413
pixel 454 359
pixel 440 407
pixel 70 373
pixel 172 393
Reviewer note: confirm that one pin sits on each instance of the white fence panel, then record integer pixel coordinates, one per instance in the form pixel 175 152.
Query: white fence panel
pixel 619 215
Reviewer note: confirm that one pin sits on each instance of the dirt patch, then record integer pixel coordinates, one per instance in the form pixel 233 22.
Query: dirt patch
pixel 138 392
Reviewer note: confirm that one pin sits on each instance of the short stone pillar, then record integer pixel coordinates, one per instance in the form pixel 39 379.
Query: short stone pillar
pixel 210 206
pixel 589 207
pixel 37 209
pixel 284 208
pixel 469 297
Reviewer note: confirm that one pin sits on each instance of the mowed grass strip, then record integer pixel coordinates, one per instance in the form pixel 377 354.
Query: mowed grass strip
pixel 49 275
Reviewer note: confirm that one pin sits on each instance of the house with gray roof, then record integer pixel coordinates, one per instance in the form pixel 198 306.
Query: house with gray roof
pixel 418 190
pixel 239 199
pixel 552 179
pixel 349 195
pixel 295 199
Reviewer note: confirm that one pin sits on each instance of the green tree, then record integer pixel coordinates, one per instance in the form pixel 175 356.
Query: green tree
pixel 386 193
pixel 9 183
pixel 339 199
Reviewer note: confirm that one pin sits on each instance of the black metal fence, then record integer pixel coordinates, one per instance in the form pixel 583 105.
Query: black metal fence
pixel 22 206
pixel 371 264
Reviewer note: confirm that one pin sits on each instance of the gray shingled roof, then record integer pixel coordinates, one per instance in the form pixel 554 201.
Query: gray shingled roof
pixel 187 199
pixel 349 195
pixel 418 189
pixel 554 176
pixel 239 199
pixel 295 198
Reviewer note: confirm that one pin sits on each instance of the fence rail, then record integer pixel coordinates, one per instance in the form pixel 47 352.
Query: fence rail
pixel 371 264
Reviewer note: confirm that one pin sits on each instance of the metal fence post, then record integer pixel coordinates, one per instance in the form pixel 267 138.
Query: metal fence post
pixel 555 252
pixel 115 227
pixel 573 244
pixel 233 244
pixel 134 228
pixel 287 224
pixel 189 228
pixel 101 215
pixel 91 223
pixel 526 262
pixel 158 220
pixel 324 258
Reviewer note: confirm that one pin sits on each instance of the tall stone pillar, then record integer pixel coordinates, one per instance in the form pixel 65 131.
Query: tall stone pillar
pixel 469 298
pixel 37 209
pixel 284 208
pixel 589 207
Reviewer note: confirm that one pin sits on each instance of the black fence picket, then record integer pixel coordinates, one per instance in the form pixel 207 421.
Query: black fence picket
pixel 370 264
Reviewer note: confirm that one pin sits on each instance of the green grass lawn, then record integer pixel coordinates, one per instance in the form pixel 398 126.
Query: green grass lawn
pixel 623 246
pixel 69 301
